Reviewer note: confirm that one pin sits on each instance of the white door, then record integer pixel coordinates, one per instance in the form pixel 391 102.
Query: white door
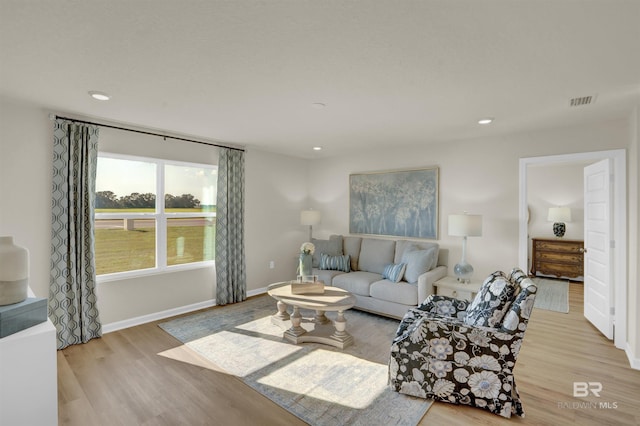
pixel 598 285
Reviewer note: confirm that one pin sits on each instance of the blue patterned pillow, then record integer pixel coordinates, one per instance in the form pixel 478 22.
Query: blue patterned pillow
pixel 394 272
pixel 335 263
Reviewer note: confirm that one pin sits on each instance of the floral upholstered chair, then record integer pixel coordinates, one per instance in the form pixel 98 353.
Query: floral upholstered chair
pixel 454 351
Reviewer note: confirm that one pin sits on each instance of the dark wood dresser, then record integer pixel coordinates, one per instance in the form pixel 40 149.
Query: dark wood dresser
pixel 558 257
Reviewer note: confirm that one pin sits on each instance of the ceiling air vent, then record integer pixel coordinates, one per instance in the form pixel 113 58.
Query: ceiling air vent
pixel 584 100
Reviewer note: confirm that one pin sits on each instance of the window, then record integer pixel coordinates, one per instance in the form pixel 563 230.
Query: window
pixel 153 215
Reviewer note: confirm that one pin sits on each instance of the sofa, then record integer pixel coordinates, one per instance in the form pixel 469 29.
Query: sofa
pixel 387 276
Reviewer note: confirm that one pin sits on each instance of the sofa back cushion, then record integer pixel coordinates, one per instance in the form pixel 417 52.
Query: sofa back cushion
pixel 492 301
pixel 351 246
pixel 375 254
pixel 419 261
pixel 331 247
pixel 403 246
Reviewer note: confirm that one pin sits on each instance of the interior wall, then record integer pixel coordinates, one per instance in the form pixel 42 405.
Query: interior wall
pixel 555 186
pixel 26 153
pixel 276 191
pixel 478 176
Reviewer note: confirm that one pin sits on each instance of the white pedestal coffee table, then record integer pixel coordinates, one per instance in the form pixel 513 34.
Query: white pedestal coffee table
pixel 324 330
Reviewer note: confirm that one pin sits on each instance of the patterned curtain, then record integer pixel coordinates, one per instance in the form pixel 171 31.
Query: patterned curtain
pixel 231 282
pixel 72 299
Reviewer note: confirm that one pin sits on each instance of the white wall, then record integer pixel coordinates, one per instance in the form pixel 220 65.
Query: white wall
pixel 555 186
pixel 276 190
pixel 26 152
pixel 478 176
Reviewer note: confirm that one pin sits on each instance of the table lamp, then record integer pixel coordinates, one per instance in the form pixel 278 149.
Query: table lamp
pixel 310 217
pixel 464 225
pixel 559 215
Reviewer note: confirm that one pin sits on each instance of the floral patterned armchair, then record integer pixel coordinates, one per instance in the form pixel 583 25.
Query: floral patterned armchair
pixel 454 351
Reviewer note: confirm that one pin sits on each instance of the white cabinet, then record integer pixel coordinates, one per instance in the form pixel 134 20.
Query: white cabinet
pixel 29 377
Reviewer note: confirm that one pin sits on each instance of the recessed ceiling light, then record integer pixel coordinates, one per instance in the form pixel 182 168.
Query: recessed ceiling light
pixel 101 96
pixel 317 148
pixel 318 105
pixel 487 120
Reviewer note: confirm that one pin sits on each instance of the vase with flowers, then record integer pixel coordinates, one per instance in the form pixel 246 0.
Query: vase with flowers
pixel 305 260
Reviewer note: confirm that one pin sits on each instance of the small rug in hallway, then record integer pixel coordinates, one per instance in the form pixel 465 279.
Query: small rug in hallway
pixel 320 384
pixel 552 295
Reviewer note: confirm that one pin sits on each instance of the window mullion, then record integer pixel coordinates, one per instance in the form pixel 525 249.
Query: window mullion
pixel 161 234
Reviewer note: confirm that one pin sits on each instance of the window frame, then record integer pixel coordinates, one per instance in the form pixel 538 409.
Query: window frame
pixel 161 219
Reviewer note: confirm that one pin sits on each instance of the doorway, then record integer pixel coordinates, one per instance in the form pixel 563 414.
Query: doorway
pixel 619 222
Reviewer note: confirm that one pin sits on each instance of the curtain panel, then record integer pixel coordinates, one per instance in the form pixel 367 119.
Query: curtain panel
pixel 231 283
pixel 72 299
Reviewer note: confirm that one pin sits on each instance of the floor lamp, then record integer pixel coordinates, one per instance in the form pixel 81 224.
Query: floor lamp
pixel 464 225
pixel 310 218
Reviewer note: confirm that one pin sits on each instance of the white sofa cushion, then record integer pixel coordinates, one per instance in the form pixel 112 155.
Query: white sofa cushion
pixel 332 247
pixel 404 293
pixel 375 254
pixel 418 262
pixel 326 275
pixel 351 246
pixel 356 282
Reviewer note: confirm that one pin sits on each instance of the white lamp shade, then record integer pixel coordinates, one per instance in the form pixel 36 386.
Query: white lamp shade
pixel 465 225
pixel 559 214
pixel 309 217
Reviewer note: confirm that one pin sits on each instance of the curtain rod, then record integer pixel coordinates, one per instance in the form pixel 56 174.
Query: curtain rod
pixel 75 120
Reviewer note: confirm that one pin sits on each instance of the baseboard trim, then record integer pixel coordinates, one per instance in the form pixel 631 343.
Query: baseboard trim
pixel 257 292
pixel 634 362
pixel 119 325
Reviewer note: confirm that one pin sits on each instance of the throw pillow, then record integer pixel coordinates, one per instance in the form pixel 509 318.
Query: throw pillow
pixel 335 263
pixel 332 247
pixel 394 272
pixel 418 262
pixel 520 310
pixel 492 301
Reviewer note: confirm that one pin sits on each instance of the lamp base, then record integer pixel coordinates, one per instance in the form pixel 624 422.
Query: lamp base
pixel 463 272
pixel 559 229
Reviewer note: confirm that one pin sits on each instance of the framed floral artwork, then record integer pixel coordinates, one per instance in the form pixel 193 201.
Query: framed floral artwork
pixel 401 203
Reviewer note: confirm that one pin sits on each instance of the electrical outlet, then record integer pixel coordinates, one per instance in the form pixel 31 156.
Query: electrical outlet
pixel 272 264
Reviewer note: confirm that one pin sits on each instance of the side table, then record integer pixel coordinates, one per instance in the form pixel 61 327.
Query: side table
pixel 450 286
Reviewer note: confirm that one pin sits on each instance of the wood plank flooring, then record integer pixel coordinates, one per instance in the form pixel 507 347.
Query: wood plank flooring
pixel 143 376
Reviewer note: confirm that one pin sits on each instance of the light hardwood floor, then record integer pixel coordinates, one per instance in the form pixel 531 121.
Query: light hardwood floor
pixel 143 376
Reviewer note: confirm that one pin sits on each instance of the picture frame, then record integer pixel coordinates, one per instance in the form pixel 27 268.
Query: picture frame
pixel 401 203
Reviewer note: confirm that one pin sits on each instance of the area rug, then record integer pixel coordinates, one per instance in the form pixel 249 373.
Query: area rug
pixel 552 295
pixel 320 384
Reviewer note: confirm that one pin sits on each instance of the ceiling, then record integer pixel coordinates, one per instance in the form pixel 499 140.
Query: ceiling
pixel 248 72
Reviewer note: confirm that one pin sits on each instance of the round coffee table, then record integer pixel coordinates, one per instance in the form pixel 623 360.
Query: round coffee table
pixel 325 331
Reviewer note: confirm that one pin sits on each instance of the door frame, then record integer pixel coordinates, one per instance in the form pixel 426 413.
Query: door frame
pixel 618 216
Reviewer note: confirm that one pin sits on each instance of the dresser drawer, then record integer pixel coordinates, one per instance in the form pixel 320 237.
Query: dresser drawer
pixel 559 269
pixel 559 246
pixel 574 258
